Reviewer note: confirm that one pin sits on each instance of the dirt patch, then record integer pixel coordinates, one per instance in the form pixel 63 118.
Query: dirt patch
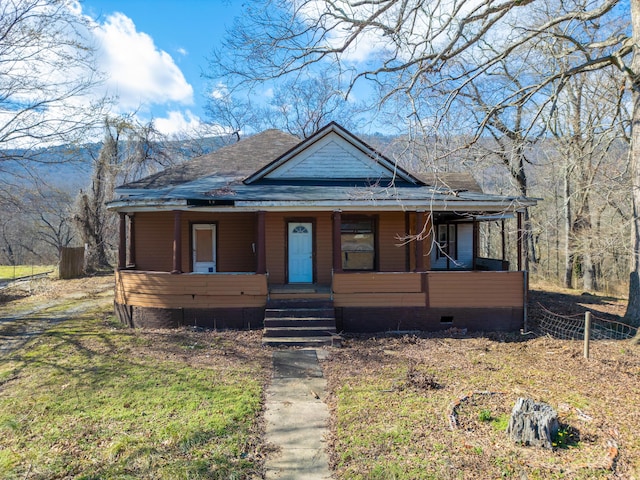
pixel 28 308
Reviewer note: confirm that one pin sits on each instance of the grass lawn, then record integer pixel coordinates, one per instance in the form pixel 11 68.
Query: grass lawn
pixel 391 398
pixel 89 399
pixel 9 272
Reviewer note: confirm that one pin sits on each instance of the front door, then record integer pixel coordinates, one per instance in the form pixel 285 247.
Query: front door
pixel 204 248
pixel 300 252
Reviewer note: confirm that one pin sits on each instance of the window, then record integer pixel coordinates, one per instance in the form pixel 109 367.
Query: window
pixel 358 244
pixel 447 233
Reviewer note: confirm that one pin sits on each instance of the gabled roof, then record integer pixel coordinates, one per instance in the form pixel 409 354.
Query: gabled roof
pixel 332 153
pixel 237 160
pixel 332 169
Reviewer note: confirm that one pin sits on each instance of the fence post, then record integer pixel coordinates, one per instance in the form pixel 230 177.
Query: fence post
pixel 587 333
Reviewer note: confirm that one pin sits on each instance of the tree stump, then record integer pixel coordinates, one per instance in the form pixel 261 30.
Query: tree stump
pixel 533 423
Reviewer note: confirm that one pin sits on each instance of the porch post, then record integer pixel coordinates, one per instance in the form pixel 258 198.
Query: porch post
pixel 419 241
pixel 261 252
pixel 476 241
pixel 122 246
pixel 504 243
pixel 337 242
pixel 132 239
pixel 177 241
pixel 520 241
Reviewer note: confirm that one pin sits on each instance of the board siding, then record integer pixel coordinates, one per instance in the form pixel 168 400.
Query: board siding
pixel 324 248
pixel 379 299
pixel 154 241
pixel 377 283
pixel 392 254
pixel 275 230
pixel 236 233
pixel 162 290
pixel 475 289
pixel 331 157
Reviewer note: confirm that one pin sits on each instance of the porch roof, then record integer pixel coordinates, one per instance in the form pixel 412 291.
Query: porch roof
pixel 219 193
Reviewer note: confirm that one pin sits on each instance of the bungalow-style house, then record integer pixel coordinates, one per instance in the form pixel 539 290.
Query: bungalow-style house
pixel 271 224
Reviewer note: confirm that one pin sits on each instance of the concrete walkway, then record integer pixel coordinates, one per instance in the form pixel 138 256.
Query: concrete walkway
pixel 297 417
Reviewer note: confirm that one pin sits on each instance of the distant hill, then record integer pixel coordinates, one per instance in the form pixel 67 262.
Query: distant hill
pixel 70 167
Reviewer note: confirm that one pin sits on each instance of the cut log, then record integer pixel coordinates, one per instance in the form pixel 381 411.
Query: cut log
pixel 533 423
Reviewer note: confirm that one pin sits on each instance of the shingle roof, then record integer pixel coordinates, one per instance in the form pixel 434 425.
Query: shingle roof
pixel 241 159
pixel 238 160
pixel 456 181
pixel 217 180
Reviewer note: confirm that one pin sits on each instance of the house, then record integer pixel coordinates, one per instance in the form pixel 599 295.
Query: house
pixel 272 222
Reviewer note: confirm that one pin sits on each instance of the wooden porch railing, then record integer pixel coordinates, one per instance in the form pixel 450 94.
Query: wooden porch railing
pixel 192 290
pixel 460 289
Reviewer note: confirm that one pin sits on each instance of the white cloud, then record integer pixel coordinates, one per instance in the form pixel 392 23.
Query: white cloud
pixel 177 122
pixel 138 72
pixel 180 124
pixel 182 51
pixel 219 92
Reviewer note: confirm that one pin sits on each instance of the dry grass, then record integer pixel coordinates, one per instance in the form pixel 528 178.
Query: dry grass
pixel 391 397
pixel 383 427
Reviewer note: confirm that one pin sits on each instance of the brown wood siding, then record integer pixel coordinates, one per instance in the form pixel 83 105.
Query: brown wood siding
pixel 475 289
pixel 379 299
pixel 377 282
pixel 392 255
pixel 236 232
pixel 324 247
pixel 414 230
pixel 164 290
pixel 428 241
pixel 443 289
pixel 235 235
pixel 154 241
pixel 378 289
pixel 276 241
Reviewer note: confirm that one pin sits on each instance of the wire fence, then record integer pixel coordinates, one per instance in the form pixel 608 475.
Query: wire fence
pixel 572 327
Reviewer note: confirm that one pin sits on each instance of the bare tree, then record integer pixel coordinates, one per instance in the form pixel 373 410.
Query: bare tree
pixel 129 151
pixel 584 127
pixel 422 45
pixel 47 77
pixel 300 106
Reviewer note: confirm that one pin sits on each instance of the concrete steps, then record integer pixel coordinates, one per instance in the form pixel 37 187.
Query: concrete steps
pixel 300 323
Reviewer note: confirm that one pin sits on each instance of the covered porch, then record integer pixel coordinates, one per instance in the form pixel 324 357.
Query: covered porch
pixel 384 270
pixel 364 302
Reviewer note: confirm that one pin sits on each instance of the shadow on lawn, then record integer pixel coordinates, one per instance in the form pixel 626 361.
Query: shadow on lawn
pixel 568 304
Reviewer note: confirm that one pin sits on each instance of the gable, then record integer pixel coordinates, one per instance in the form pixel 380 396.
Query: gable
pixel 331 158
pixel 332 154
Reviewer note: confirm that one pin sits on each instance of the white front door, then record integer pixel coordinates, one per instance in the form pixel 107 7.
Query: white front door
pixel 204 248
pixel 300 252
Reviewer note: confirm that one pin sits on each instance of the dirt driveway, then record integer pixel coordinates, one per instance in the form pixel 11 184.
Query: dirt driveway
pixel 28 308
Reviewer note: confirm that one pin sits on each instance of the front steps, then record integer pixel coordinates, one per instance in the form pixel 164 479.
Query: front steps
pixel 300 323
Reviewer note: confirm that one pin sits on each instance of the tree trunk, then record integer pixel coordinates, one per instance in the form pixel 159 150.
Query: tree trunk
pixel 632 315
pixel 568 244
pixel 533 423
pixel 589 283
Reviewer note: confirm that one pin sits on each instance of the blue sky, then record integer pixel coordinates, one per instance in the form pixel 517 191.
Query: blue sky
pixel 154 53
